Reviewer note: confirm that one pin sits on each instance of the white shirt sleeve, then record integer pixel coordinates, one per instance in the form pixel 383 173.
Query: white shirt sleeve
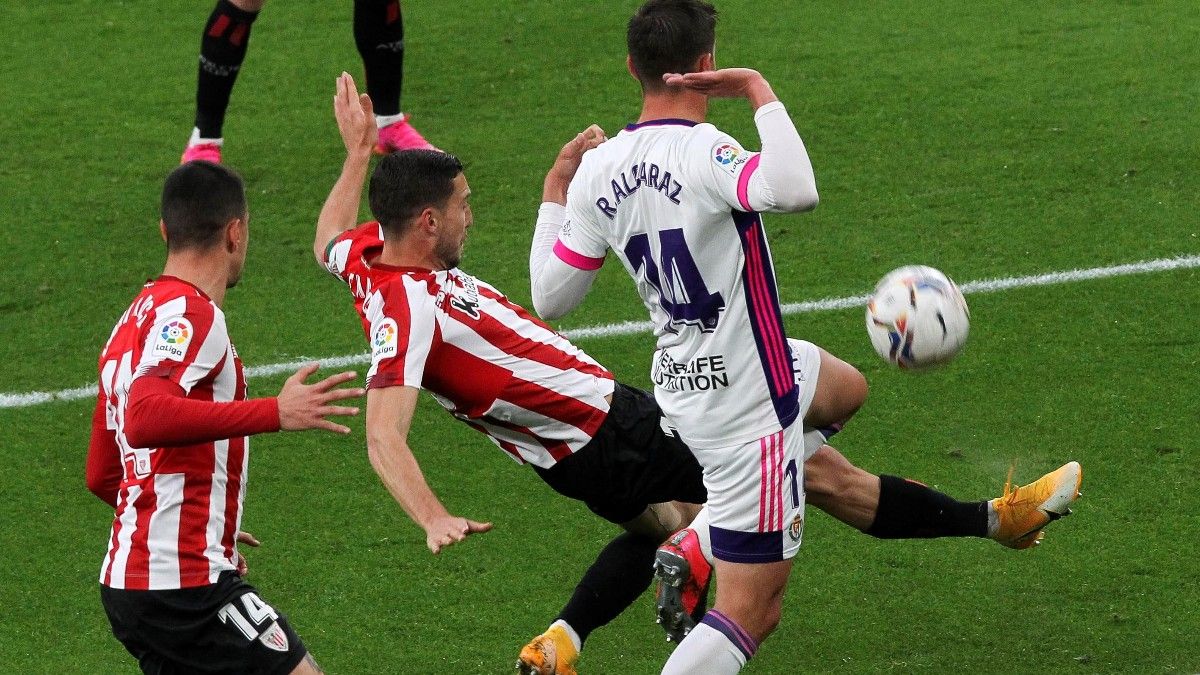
pixel 563 262
pixel 778 179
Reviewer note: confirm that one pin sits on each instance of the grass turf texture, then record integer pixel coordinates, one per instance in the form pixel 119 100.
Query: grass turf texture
pixel 988 141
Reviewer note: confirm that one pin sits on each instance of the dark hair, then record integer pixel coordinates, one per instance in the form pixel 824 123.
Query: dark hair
pixel 667 36
pixel 198 200
pixel 409 181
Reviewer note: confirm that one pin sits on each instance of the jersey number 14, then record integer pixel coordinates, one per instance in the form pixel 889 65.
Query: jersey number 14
pixel 681 290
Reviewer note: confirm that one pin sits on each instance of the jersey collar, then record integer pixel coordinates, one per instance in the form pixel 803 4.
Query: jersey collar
pixel 667 121
pixel 167 277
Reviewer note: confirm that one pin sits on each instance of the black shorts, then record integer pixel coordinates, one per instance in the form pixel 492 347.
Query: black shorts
pixel 221 628
pixel 630 463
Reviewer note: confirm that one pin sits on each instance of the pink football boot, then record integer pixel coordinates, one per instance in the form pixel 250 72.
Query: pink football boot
pixel 401 136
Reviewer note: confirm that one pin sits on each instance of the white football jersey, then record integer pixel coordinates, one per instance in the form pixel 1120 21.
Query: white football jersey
pixel 670 198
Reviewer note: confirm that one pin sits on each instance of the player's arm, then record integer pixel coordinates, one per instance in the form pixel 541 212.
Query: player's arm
pixel 559 279
pixel 356 124
pixel 104 469
pixel 160 415
pixel 781 177
pixel 158 412
pixel 389 416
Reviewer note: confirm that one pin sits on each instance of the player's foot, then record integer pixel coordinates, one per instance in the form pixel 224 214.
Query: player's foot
pixel 1022 513
pixel 683 575
pixel 551 653
pixel 209 152
pixel 401 136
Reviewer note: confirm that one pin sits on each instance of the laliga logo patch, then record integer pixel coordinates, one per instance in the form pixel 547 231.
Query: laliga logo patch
pixel 172 340
pixel 384 343
pixel 730 157
pixel 726 154
pixel 796 529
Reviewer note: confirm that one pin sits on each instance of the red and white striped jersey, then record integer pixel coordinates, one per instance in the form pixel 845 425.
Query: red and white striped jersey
pixel 486 360
pixel 347 258
pixel 178 509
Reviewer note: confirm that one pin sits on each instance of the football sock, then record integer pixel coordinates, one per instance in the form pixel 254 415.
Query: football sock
pixel 382 121
pixel 621 573
pixel 699 525
pixel 716 646
pixel 222 50
pixel 571 633
pixel 379 36
pixel 909 510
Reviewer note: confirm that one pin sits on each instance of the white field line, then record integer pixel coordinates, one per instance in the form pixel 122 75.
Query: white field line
pixel 634 327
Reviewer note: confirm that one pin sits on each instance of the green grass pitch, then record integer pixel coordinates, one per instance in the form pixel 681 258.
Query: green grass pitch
pixel 987 139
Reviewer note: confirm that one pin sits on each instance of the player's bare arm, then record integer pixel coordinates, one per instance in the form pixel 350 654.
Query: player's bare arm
pixel 389 417
pixel 558 288
pixel 356 125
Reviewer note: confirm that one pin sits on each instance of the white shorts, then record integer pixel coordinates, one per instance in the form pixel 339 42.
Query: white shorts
pixel 756 489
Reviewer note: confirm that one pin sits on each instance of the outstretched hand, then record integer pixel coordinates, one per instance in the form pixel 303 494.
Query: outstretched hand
pixel 306 406
pixel 448 530
pixel 355 116
pixel 725 83
pixel 567 163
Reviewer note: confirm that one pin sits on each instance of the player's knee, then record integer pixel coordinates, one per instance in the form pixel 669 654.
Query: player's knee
pixel 248 5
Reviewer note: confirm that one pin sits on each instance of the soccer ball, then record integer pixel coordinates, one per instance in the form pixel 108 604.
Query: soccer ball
pixel 917 318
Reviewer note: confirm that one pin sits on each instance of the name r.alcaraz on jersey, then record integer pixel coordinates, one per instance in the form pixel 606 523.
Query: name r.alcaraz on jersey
pixel 644 173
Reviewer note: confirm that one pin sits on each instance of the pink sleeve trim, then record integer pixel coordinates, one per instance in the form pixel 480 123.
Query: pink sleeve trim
pixel 576 260
pixel 744 182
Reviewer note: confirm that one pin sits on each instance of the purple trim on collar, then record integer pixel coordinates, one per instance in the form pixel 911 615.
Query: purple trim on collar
pixel 669 121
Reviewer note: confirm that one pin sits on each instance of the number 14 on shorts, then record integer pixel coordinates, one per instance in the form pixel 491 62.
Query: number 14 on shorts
pixel 253 614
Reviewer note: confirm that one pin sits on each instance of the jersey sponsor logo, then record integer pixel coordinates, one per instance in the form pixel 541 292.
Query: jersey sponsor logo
pixel 703 373
pixel 172 339
pixel 383 343
pixel 463 296
pixel 730 157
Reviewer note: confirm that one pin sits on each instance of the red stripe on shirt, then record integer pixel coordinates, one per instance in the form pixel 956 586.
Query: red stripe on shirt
pixel 137 564
pixel 566 409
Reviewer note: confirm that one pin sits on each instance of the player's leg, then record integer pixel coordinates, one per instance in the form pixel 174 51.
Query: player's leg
pixel 756 523
pixel 379 36
pixel 891 507
pixel 222 50
pixel 625 475
pixel 839 392
pixel 887 507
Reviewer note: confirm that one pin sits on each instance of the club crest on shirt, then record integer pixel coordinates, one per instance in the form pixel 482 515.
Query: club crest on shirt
pixel 338 256
pixel 730 157
pixel 384 339
pixel 274 637
pixel 796 530
pixel 172 339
